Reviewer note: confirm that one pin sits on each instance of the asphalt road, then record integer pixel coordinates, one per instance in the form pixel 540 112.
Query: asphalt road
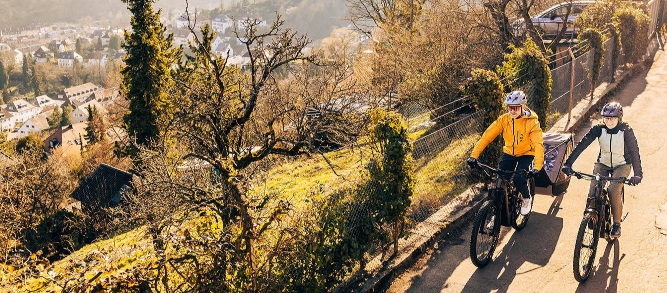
pixel 539 257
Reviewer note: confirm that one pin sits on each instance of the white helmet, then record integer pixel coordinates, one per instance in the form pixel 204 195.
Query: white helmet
pixel 515 98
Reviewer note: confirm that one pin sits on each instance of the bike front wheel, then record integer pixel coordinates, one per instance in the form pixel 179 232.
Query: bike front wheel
pixel 585 247
pixel 485 233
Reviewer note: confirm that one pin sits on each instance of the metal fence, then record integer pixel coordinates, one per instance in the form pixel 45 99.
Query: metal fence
pixel 439 153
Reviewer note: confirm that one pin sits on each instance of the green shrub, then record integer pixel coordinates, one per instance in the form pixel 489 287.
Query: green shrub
pixel 486 91
pixel 392 174
pixel 598 15
pixel 616 48
pixel 526 68
pixel 633 26
pixel 59 235
pixel 594 39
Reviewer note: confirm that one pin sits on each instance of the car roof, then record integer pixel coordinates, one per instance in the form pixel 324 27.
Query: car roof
pixel 589 2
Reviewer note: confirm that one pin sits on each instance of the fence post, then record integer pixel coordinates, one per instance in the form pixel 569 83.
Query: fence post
pixel 569 108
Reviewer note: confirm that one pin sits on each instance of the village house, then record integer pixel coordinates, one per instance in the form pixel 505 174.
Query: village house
pixel 80 113
pixel 196 18
pixel 106 39
pixel 21 110
pixel 69 139
pixel 79 93
pixel 222 47
pixel 60 46
pixel 240 60
pixel 6 120
pixel 106 97
pixel 241 22
pixel 221 23
pixel 44 101
pixel 67 59
pixel 42 55
pixel 181 37
pixel 36 124
pixel 18 57
pixel 103 188
pixel 96 59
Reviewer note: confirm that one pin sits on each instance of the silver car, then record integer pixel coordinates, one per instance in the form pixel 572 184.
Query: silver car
pixel 549 22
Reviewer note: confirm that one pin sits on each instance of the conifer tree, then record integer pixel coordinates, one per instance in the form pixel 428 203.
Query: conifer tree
pixel 96 127
pixel 34 82
pixel 25 73
pixel 4 78
pixel 67 111
pixel 146 75
pixel 79 47
pixel 55 117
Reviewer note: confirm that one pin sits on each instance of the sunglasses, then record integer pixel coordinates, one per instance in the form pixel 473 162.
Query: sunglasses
pixel 513 108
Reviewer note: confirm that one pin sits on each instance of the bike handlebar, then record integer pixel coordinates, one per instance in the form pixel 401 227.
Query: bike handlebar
pixel 599 177
pixel 487 168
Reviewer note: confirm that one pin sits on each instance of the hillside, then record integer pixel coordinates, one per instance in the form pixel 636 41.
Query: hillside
pixel 315 17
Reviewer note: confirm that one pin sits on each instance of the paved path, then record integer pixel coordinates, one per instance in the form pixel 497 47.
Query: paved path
pixel 539 258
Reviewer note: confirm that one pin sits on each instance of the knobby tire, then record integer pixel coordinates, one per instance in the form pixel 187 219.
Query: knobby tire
pixel 585 247
pixel 482 241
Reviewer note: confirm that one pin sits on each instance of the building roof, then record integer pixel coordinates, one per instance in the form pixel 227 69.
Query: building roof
pixel 69 55
pixel 4 114
pixel 102 188
pixel 80 89
pixel 40 120
pixel 19 105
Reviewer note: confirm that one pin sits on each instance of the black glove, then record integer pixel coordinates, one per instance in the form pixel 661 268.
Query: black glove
pixel 533 173
pixel 634 180
pixel 472 162
pixel 567 170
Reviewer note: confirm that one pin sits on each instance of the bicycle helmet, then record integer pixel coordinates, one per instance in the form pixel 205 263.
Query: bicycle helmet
pixel 613 109
pixel 515 98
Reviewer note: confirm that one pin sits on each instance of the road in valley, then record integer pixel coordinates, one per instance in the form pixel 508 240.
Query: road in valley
pixel 539 257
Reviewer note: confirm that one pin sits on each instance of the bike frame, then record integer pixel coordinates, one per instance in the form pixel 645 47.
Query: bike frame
pixel 501 190
pixel 595 203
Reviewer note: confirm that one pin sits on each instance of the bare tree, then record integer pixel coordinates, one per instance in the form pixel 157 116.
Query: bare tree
pixel 230 122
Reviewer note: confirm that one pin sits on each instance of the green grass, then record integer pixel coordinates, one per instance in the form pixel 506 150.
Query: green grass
pixel 438 177
pixel 100 259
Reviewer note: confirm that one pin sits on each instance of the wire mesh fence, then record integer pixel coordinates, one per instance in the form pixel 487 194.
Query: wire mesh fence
pixel 449 133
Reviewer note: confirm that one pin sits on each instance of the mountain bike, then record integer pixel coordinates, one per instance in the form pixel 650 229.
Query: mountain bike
pixel 596 223
pixel 502 207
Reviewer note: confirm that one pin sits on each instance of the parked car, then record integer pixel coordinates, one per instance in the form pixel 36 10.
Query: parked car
pixel 550 21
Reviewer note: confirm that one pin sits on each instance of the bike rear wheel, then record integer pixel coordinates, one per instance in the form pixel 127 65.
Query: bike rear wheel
pixel 485 233
pixel 585 247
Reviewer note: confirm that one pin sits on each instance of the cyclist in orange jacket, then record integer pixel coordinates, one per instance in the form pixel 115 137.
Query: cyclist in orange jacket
pixel 523 143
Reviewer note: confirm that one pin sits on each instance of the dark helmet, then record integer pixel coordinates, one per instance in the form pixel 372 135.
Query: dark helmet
pixel 613 109
pixel 515 98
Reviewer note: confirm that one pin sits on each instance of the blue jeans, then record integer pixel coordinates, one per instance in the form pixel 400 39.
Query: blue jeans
pixel 512 163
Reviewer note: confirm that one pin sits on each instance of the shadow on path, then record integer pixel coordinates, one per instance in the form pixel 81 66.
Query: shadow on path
pixel 604 278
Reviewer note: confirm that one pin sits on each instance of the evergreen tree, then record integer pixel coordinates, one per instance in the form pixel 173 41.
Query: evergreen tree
pixel 55 117
pixel 146 75
pixel 67 111
pixel 99 43
pixel 114 42
pixel 79 48
pixel 25 72
pixel 96 127
pixel 34 83
pixel 4 78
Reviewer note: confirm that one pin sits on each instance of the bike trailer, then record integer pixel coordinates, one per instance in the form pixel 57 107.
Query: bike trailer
pixel 551 180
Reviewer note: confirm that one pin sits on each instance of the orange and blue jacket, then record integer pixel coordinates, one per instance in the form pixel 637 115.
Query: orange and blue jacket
pixel 522 136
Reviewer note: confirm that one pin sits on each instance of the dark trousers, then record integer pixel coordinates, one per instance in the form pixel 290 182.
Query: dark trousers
pixel 512 163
